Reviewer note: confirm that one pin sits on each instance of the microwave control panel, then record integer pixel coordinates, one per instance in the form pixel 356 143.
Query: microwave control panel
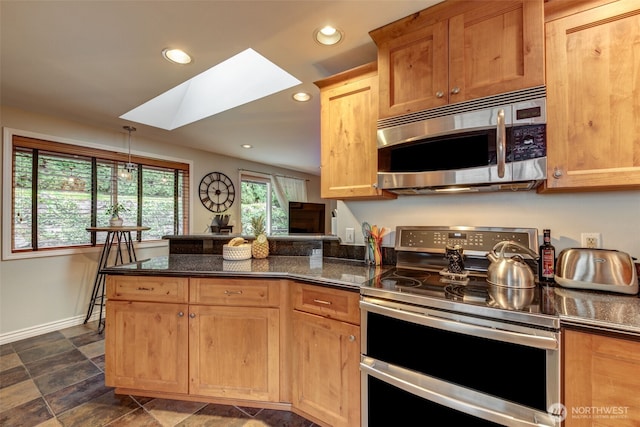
pixel 528 142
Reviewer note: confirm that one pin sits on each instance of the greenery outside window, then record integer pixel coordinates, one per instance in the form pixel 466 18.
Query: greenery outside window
pixel 258 198
pixel 59 190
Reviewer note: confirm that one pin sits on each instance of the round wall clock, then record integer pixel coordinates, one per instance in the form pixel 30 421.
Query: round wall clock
pixel 217 192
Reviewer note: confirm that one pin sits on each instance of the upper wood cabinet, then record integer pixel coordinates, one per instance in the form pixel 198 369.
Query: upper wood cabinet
pixel 349 149
pixel 593 97
pixel 601 379
pixel 459 50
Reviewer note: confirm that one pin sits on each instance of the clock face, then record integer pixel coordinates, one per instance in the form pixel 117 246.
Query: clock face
pixel 217 192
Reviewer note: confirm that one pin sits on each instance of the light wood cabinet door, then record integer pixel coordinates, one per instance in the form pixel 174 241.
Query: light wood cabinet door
pixel 348 125
pixel 146 346
pixel 326 375
pixel 413 71
pixel 234 352
pixel 593 99
pixel 458 51
pixel 496 47
pixel 601 380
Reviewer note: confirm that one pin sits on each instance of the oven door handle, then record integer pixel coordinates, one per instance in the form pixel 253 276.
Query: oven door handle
pixel 428 319
pixel 457 397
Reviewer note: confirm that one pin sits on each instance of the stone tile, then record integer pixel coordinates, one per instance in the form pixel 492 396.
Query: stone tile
pixel 83 329
pixel 171 412
pixel 216 415
pixel 93 349
pixel 99 362
pixel 43 339
pixel 252 412
pixel 98 411
pixel 275 418
pixel 137 418
pixel 13 376
pixel 31 413
pixel 17 394
pixel 45 350
pixel 9 361
pixel 51 422
pixel 66 376
pixel 85 339
pixel 55 362
pixel 142 400
pixel 6 349
pixel 77 394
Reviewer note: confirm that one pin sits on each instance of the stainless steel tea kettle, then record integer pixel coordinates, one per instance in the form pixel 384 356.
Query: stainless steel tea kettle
pixel 510 272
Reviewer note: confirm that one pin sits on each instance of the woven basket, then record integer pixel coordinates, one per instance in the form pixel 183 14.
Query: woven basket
pixel 236 253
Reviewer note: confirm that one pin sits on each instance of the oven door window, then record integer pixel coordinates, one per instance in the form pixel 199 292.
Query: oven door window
pixel 509 371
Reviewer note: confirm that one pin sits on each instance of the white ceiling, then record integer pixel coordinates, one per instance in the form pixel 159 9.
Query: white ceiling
pixel 92 61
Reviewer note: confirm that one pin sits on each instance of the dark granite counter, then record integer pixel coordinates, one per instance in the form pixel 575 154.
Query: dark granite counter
pixel 598 310
pixel 587 309
pixel 314 269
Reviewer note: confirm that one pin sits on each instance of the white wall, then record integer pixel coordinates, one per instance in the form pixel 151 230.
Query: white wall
pixel 614 214
pixel 41 294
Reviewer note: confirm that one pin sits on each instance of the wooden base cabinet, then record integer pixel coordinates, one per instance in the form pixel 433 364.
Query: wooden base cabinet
pixel 206 337
pixel 593 96
pixel 326 355
pixel 601 380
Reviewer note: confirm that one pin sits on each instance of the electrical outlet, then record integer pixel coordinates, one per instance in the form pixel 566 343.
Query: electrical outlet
pixel 350 235
pixel 591 240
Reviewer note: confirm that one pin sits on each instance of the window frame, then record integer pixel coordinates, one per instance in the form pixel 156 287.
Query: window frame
pixel 119 154
pixel 259 178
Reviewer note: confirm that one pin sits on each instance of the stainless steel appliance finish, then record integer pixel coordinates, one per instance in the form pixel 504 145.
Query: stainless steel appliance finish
pixel 490 144
pixel 598 269
pixel 444 349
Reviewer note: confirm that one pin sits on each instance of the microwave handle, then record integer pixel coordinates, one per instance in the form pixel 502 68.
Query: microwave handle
pixel 501 143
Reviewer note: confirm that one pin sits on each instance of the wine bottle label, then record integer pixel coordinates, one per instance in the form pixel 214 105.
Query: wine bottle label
pixel 548 263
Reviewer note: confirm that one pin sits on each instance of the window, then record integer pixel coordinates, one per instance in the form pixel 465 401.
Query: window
pixel 269 195
pixel 59 189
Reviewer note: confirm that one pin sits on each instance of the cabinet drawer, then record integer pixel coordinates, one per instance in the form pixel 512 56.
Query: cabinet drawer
pixel 146 288
pixel 328 302
pixel 226 291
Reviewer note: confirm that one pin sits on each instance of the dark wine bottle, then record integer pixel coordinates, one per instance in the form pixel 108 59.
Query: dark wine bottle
pixel 547 262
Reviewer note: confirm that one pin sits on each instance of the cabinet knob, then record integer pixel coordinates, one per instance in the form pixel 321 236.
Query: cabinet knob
pixel 352 338
pixel 192 315
pixel 455 90
pixel 180 314
pixel 439 94
pixel 557 172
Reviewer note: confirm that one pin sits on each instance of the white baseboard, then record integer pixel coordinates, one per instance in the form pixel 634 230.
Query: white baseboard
pixel 34 331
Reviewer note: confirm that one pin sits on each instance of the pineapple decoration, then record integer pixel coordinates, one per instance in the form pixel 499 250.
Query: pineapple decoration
pixel 260 246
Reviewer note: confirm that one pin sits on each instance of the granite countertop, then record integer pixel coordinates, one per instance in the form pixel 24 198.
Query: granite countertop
pixel 316 269
pixel 590 309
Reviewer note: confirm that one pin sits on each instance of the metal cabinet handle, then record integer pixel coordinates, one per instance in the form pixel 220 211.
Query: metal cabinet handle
pixel 227 292
pixel 319 301
pixel 352 338
pixel 501 143
pixel 180 314
pixel 192 315
pixel 439 94
pixel 557 172
pixel 140 288
pixel 455 90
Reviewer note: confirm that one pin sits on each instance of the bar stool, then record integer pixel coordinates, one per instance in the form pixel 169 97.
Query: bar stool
pixel 121 237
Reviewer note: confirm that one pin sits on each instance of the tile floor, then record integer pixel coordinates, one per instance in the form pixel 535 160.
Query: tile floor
pixel 57 379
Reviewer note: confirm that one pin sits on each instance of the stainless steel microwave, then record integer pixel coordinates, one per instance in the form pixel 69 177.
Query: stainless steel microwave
pixel 491 144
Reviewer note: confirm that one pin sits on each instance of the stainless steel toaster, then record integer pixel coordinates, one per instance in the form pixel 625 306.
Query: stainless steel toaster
pixel 599 269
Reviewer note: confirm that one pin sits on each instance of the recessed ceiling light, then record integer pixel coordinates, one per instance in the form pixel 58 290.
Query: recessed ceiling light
pixel 246 146
pixel 328 35
pixel 301 96
pixel 176 55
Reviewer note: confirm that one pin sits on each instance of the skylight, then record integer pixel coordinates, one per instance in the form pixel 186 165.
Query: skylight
pixel 241 79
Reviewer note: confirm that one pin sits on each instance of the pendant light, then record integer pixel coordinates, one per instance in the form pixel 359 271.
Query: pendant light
pixel 127 171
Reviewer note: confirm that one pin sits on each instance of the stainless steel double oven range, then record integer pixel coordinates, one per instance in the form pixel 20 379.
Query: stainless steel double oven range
pixel 441 349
